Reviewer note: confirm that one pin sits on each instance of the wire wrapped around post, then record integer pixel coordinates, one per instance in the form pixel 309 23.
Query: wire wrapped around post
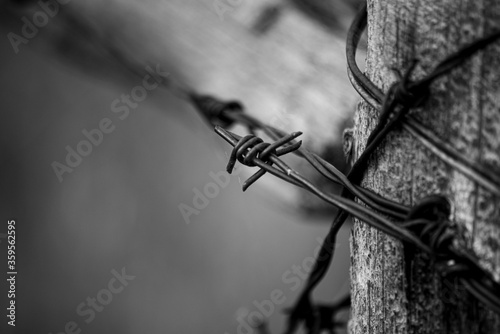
pixel 426 225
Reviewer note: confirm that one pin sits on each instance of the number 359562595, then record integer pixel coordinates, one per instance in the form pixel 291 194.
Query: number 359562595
pixel 11 240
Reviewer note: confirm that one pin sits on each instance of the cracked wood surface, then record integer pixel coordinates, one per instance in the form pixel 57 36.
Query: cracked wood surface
pixel 464 110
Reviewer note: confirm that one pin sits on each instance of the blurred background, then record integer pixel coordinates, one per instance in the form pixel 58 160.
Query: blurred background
pixel 122 208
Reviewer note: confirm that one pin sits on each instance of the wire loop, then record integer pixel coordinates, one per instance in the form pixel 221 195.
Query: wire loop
pixel 427 225
pixel 252 151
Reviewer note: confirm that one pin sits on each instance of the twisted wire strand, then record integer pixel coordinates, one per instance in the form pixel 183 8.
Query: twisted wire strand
pixel 374 97
pixel 382 204
pixel 437 235
pixel 394 106
pixel 431 233
pixel 481 285
pixel 242 148
pixel 304 306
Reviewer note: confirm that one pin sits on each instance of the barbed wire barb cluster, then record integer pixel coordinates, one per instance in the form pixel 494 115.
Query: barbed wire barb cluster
pixel 426 225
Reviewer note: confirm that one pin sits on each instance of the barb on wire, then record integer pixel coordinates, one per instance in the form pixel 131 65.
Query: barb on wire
pixel 425 219
pixel 439 236
pixel 216 111
pixel 245 150
pixel 417 221
pixel 426 225
pixel 374 97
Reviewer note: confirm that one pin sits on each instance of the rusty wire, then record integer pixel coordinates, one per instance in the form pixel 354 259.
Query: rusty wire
pixel 449 258
pixel 375 97
pixel 427 219
pixel 425 225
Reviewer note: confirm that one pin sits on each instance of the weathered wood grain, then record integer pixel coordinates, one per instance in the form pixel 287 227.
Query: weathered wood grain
pixel 464 109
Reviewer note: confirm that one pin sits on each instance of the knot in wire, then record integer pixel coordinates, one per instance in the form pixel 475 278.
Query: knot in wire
pixel 247 149
pixel 216 111
pixel 252 151
pixel 407 93
pixel 429 219
pixel 400 98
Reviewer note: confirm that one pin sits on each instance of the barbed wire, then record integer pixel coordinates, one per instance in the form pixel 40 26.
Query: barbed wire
pixel 375 97
pixel 427 219
pixel 426 225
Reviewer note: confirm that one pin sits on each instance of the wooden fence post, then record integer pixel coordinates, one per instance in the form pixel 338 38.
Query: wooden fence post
pixel 463 110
